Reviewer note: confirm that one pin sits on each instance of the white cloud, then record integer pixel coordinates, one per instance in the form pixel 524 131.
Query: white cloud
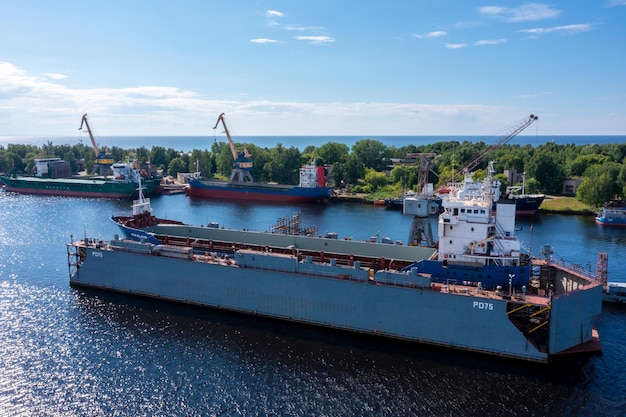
pixel 263 40
pixel 490 42
pixel 54 76
pixel 436 34
pixel 524 13
pixel 274 13
pixel 303 28
pixel 567 29
pixel 613 3
pixel 432 35
pixel 455 45
pixel 316 40
pixel 34 106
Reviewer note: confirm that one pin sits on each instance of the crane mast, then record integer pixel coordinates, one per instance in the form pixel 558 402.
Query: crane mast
pixel 510 134
pixel 242 164
pixel 102 156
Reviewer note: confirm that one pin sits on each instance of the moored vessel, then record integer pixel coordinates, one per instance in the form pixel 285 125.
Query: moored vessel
pixel 356 292
pixel 614 292
pixel 122 184
pixel 525 204
pixel 612 214
pixel 241 186
pixel 54 176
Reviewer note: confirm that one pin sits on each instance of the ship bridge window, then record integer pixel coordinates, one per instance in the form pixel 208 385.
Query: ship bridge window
pixel 475 211
pixel 482 211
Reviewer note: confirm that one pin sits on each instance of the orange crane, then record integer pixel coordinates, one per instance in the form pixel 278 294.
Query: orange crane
pixel 103 157
pixel 242 164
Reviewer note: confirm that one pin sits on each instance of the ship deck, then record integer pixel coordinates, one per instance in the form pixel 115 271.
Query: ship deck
pixel 222 253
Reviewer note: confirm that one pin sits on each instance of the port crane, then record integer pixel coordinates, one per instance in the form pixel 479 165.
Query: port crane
pixel 103 157
pixel 508 135
pixel 242 164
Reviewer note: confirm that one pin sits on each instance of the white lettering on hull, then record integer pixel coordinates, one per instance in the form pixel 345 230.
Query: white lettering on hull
pixel 481 305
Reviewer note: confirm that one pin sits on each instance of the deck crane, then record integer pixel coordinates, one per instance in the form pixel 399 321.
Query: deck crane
pixel 103 157
pixel 509 134
pixel 242 164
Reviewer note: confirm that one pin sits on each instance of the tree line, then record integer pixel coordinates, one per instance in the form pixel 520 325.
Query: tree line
pixel 367 165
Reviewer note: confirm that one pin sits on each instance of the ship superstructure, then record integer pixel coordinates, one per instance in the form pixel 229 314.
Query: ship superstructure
pixel 477 240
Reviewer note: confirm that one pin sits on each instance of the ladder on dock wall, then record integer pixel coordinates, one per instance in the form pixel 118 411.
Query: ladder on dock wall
pixel 531 320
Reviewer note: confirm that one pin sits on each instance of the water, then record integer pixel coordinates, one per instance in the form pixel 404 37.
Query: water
pixel 189 143
pixel 71 352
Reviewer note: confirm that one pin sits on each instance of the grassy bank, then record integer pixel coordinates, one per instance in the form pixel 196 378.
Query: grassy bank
pixel 558 204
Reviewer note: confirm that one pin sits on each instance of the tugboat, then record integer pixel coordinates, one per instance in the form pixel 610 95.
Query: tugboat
pixel 134 226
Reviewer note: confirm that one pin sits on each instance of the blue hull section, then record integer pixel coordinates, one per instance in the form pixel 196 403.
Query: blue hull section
pixel 490 276
pixel 138 235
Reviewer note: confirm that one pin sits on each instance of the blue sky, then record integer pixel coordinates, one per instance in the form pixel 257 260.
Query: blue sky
pixel 319 67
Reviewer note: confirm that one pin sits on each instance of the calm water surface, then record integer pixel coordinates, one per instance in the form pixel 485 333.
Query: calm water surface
pixel 71 352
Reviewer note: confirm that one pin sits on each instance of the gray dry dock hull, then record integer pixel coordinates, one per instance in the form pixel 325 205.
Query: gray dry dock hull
pixel 281 287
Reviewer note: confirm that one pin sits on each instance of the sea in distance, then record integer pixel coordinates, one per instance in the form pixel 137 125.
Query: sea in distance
pixel 68 351
pixel 189 143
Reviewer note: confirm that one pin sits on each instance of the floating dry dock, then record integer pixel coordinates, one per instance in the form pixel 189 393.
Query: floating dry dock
pixel 357 286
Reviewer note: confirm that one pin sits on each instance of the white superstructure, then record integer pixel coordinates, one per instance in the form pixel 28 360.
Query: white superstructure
pixel 471 231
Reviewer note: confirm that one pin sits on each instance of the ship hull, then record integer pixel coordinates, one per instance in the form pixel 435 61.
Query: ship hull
pixel 392 304
pixel 605 221
pixel 78 187
pixel 612 217
pixel 526 204
pixel 257 191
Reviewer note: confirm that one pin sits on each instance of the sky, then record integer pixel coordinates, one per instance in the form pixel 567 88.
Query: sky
pixel 308 68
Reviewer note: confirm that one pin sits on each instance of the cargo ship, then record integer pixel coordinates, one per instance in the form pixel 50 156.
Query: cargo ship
pixel 612 214
pixel 241 186
pixel 53 177
pixel 393 291
pixel 311 189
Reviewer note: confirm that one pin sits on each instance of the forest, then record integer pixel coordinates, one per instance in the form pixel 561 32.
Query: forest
pixel 366 167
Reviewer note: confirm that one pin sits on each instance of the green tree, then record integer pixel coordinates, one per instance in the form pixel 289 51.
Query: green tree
pixel 371 153
pixel 545 167
pixel 283 165
pixel 158 157
pixel 375 179
pixel 177 165
pixel 579 165
pixel 354 170
pixel 332 153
